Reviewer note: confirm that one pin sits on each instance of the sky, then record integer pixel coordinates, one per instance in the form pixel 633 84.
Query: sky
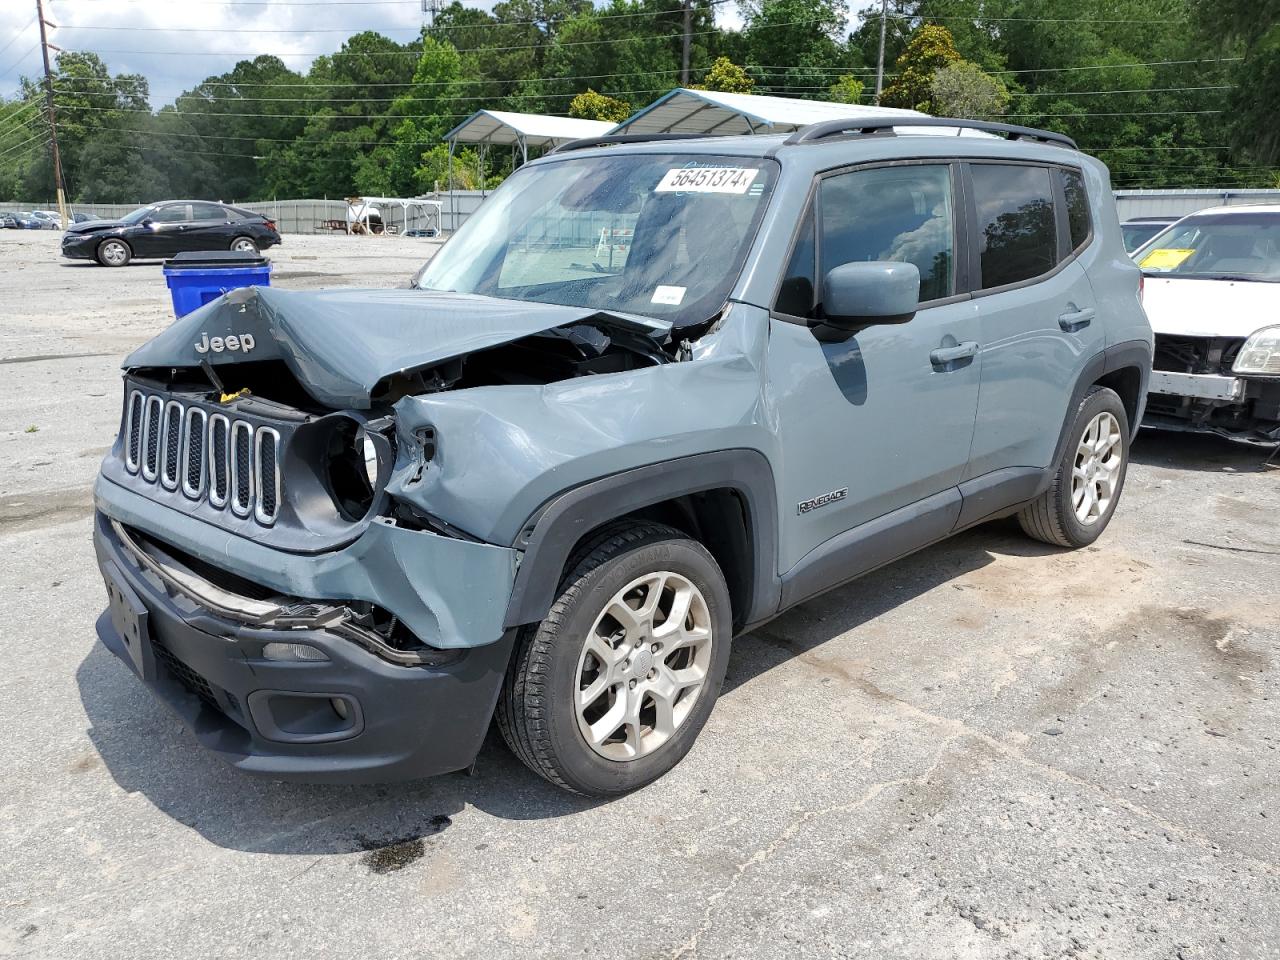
pixel 177 43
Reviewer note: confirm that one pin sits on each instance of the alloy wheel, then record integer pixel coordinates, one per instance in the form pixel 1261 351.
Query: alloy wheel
pixel 1095 476
pixel 244 246
pixel 643 666
pixel 114 252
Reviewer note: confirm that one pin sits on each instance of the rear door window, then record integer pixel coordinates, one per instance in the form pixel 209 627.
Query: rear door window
pixel 1017 230
pixel 207 211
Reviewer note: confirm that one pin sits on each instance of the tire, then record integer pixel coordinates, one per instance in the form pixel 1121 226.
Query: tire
pixel 546 711
pixel 114 253
pixel 1067 514
pixel 244 245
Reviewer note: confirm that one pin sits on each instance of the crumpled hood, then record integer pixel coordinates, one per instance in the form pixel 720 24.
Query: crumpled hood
pixel 94 226
pixel 340 343
pixel 1209 308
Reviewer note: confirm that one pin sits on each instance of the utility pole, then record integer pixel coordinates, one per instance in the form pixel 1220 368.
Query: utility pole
pixel 684 47
pixel 53 123
pixel 884 16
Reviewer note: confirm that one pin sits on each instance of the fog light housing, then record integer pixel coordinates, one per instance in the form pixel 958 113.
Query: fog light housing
pixel 295 652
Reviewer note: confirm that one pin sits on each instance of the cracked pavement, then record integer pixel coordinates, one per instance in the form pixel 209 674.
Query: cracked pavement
pixel 991 749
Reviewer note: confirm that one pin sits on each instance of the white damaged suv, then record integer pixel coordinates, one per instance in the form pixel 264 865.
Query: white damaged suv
pixel 1212 294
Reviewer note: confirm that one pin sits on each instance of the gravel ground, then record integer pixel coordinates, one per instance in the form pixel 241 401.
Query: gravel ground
pixel 990 749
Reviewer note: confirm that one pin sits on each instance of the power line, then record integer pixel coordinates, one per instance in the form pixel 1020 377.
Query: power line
pixel 34 47
pixel 42 134
pixel 415 53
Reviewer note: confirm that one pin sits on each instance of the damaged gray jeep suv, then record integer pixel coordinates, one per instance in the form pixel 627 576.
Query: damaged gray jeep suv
pixel 651 395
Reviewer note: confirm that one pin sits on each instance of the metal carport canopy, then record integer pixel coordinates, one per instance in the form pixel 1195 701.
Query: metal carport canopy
pixel 709 111
pixel 523 130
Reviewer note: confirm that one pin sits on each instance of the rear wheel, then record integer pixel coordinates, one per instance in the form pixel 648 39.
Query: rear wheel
pixel 114 253
pixel 1079 503
pixel 609 692
pixel 244 245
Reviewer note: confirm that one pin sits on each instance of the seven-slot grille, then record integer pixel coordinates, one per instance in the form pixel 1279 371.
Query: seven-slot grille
pixel 231 463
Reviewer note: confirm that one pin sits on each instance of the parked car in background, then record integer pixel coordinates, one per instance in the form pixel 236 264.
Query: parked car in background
pixel 24 220
pixel 8 220
pixel 163 229
pixel 1213 297
pixel 1139 230
pixel 47 220
pixel 336 527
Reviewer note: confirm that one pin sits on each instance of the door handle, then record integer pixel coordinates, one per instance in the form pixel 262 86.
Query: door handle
pixel 948 355
pixel 1076 319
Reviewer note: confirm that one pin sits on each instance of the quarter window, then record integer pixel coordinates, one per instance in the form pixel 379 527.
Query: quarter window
pixel 902 213
pixel 1077 207
pixel 795 296
pixel 1017 232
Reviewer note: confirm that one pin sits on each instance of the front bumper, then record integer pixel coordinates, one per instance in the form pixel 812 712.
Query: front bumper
pixel 76 246
pixel 276 718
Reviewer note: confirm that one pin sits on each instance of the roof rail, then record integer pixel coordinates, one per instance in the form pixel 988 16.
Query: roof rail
pixel 885 125
pixel 608 139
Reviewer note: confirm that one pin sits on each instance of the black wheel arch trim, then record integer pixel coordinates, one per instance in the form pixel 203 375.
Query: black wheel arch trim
pixel 553 531
pixel 1129 353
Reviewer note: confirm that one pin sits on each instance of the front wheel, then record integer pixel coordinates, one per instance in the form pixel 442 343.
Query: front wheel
pixel 1080 500
pixel 244 245
pixel 609 692
pixel 114 253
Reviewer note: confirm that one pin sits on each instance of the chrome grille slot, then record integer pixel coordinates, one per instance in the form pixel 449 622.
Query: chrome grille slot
pixel 194 427
pixel 171 442
pixel 219 459
pixel 241 468
pixel 266 475
pixel 207 455
pixel 133 431
pixel 151 420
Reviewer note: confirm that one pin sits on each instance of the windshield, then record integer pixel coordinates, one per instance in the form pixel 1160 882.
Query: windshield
pixel 137 215
pixel 1226 246
pixel 658 235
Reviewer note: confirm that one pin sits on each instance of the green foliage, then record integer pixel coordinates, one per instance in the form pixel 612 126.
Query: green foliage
pixel 590 105
pixel 727 77
pixel 961 89
pixel 929 50
pixel 847 89
pixel 1141 83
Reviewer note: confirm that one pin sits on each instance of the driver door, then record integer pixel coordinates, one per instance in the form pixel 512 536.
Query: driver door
pixel 875 430
pixel 165 235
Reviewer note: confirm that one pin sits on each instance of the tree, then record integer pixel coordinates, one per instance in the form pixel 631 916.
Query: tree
pixel 590 105
pixel 961 89
pixel 1249 29
pixel 848 89
pixel 929 50
pixel 727 77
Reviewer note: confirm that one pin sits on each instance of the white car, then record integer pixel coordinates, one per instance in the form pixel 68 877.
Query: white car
pixel 1212 294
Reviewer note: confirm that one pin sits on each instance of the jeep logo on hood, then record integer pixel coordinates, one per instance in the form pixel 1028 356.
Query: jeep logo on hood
pixel 243 342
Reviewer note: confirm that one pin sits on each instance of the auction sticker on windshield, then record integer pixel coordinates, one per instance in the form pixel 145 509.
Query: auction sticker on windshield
pixel 1165 258
pixel 706 180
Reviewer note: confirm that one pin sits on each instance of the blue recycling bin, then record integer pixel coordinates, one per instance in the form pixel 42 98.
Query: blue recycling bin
pixel 196 278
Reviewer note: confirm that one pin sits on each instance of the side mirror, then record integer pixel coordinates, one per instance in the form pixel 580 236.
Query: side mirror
pixel 147 222
pixel 860 295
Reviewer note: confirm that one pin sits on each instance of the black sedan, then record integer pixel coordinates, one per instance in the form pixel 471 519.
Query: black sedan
pixel 163 229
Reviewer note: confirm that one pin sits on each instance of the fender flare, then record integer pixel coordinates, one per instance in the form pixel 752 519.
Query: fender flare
pixel 553 531
pixel 1130 353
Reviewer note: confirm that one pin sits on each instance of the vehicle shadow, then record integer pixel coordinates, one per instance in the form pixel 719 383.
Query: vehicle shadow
pixel 146 750
pixel 811 624
pixel 1201 452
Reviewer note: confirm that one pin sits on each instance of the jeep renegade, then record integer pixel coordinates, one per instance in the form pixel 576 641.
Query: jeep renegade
pixel 651 395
